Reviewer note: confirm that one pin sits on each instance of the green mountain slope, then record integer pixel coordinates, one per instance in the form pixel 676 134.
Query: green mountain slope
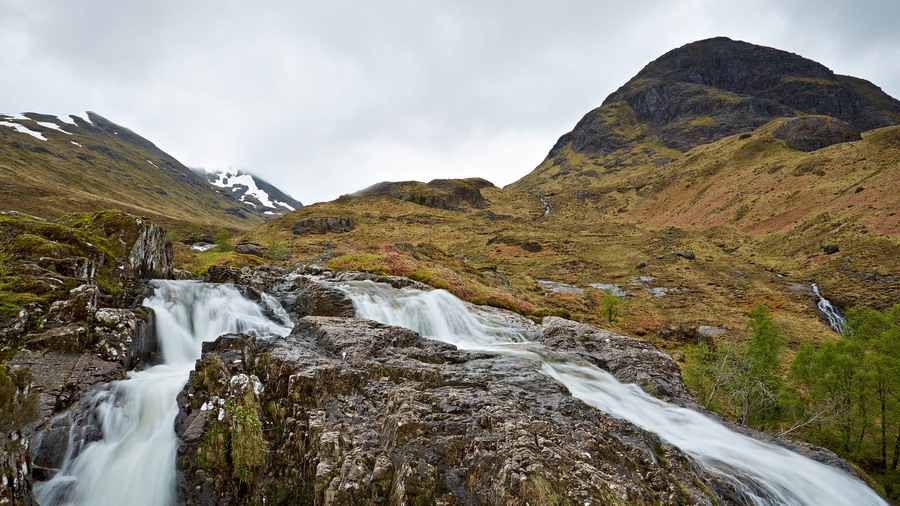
pixel 50 166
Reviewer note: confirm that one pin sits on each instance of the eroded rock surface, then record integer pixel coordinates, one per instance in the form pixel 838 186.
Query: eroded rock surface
pixel 322 225
pixel 810 133
pixel 352 411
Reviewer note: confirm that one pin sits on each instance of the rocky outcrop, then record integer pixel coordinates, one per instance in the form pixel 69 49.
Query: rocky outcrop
pixel 450 194
pixel 248 248
pixel 305 226
pixel 72 341
pixel 810 133
pixel 352 411
pixel 151 254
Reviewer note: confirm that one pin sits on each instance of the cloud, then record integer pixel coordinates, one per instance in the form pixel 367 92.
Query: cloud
pixel 325 98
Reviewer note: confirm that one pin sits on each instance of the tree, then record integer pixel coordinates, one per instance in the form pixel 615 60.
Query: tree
pixel 223 240
pixel 858 377
pixel 609 306
pixel 741 379
pixel 879 332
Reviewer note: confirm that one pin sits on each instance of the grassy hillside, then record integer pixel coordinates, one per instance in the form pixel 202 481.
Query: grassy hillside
pixel 499 254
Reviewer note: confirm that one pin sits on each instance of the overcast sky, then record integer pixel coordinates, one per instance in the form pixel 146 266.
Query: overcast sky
pixel 324 98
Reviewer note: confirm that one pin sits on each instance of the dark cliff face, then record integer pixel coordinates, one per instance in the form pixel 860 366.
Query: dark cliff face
pixel 710 89
pixel 776 76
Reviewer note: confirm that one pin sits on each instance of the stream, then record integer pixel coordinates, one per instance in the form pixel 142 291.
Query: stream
pixel 762 473
pixel 134 462
pixel 832 315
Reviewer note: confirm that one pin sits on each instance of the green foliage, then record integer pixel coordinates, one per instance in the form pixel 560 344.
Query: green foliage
pixel 213 449
pixel 18 407
pixel 222 240
pixel 766 342
pixel 852 388
pixel 609 306
pixel 743 380
pixel 248 447
pixel 278 251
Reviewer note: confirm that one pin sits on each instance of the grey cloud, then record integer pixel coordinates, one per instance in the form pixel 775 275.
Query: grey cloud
pixel 325 98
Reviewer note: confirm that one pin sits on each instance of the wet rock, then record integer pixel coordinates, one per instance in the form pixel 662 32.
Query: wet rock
pixel 356 411
pixel 810 133
pixel 395 281
pixel 316 299
pixel 127 336
pixel 629 359
pixel 556 286
pixel 60 379
pixel 182 274
pixel 322 225
pixel 202 246
pixel 708 331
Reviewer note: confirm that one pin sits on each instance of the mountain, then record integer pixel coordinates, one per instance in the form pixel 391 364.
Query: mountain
pixel 252 190
pixel 51 165
pixel 696 94
pixel 746 159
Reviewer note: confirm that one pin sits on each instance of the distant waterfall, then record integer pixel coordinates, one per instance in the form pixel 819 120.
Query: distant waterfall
pixel 134 463
pixel 547 206
pixel 832 315
pixel 762 473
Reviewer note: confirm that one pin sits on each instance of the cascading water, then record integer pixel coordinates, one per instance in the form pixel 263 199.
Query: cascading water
pixel 761 472
pixel 832 315
pixel 547 206
pixel 134 462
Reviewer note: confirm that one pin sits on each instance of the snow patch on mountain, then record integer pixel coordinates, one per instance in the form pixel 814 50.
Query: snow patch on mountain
pixel 52 126
pixel 247 188
pixel 7 121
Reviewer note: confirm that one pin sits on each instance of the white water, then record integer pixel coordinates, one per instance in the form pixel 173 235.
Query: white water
pixel 832 315
pixel 134 463
pixel 547 206
pixel 763 473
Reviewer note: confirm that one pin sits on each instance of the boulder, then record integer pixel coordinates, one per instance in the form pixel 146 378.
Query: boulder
pixel 248 248
pixel 830 248
pixel 322 225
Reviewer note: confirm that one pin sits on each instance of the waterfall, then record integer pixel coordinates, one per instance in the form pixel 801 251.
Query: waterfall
pixel 547 206
pixel 134 462
pixel 762 473
pixel 832 314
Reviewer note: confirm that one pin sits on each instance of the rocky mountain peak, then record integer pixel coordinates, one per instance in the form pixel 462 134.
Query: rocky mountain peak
pixel 700 93
pixel 770 74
